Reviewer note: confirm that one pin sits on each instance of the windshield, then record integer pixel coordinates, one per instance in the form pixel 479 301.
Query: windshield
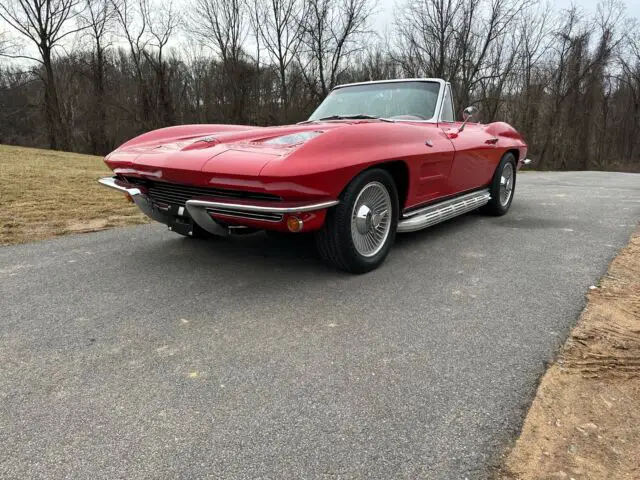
pixel 402 100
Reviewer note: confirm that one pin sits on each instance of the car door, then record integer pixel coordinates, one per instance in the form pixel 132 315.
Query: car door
pixel 474 150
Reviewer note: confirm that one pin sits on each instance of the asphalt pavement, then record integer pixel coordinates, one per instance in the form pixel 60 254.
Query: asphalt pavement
pixel 135 353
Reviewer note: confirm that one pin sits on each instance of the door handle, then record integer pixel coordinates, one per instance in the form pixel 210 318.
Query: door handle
pixel 492 141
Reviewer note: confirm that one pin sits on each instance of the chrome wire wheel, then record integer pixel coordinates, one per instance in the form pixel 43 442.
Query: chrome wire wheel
pixel 371 219
pixel 506 184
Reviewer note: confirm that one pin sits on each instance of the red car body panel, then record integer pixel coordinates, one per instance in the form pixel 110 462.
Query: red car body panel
pixel 314 162
pixel 238 156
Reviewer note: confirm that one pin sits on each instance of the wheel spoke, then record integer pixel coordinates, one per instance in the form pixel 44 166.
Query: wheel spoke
pixel 506 184
pixel 370 220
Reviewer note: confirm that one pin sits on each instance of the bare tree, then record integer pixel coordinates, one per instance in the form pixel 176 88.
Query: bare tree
pixel 534 29
pixel 278 24
pixel 148 28
pixel 132 22
pixel 455 39
pixel 334 30
pixel 5 46
pixel 426 31
pixel 564 73
pixel 162 21
pixel 222 25
pixel 98 17
pixel 629 85
pixel 45 23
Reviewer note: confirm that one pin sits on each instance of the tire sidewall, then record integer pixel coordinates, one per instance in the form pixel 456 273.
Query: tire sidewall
pixel 495 187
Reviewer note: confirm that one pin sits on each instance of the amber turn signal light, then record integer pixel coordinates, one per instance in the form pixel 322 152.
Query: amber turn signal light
pixel 294 224
pixel 128 197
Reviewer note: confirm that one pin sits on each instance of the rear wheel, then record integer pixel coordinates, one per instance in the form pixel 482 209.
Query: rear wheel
pixel 358 233
pixel 502 186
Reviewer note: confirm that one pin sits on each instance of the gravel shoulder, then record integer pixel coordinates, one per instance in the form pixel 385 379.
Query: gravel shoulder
pixel 583 423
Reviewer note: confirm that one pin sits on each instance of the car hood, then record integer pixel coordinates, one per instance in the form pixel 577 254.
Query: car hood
pixel 242 151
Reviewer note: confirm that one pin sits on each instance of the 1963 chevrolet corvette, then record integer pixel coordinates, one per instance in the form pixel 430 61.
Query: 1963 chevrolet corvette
pixel 375 158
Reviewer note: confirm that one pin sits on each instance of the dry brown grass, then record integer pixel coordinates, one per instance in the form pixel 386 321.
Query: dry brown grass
pixel 45 193
pixel 585 420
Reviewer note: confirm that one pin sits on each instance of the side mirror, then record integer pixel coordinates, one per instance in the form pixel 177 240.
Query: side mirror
pixel 467 115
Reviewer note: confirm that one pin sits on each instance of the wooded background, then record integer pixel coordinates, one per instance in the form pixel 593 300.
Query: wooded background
pixel 85 75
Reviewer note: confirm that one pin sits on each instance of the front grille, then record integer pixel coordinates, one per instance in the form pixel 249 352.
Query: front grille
pixel 266 216
pixel 177 194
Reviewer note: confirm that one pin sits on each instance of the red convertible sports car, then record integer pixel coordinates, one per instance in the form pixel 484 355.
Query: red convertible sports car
pixel 375 158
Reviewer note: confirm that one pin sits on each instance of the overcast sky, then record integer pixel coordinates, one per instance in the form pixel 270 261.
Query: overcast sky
pixel 382 20
pixel 384 17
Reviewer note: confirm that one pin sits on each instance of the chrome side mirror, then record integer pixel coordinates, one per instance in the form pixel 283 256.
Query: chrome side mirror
pixel 467 115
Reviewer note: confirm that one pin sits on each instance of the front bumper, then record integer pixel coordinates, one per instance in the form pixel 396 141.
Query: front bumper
pixel 524 162
pixel 216 215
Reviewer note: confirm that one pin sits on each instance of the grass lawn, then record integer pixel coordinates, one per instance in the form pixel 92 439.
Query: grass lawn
pixel 45 193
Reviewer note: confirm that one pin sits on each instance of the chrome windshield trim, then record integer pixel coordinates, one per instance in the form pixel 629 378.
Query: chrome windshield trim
pixel 392 80
pixel 261 208
pixel 439 101
pixel 111 183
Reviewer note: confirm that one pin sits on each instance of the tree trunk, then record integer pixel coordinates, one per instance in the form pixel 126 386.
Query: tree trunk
pixel 99 143
pixel 58 139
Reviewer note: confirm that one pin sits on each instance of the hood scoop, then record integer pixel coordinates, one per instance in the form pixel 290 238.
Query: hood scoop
pixel 292 138
pixel 202 143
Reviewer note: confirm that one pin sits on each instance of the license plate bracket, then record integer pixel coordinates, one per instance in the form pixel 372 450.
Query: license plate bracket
pixel 183 225
pixel 179 220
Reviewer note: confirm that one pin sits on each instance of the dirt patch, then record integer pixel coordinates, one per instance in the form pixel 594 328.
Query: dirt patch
pixel 45 193
pixel 585 420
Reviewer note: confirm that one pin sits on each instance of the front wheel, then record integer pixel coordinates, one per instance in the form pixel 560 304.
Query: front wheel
pixel 358 233
pixel 502 186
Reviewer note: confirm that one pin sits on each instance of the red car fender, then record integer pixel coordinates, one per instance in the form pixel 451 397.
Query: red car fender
pixel 328 162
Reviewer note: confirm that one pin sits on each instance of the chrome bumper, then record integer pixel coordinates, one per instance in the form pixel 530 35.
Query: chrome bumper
pixel 111 183
pixel 192 205
pixel 525 162
pixel 141 200
pixel 201 210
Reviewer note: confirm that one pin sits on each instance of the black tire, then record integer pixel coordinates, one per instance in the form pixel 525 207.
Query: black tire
pixel 496 206
pixel 335 243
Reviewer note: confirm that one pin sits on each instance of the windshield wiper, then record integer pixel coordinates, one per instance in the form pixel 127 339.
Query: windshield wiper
pixel 355 116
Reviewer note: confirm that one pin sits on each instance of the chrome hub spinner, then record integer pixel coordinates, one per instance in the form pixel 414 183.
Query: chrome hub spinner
pixel 364 219
pixel 371 219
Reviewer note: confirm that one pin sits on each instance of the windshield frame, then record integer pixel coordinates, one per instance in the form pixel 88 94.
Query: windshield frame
pixel 436 112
